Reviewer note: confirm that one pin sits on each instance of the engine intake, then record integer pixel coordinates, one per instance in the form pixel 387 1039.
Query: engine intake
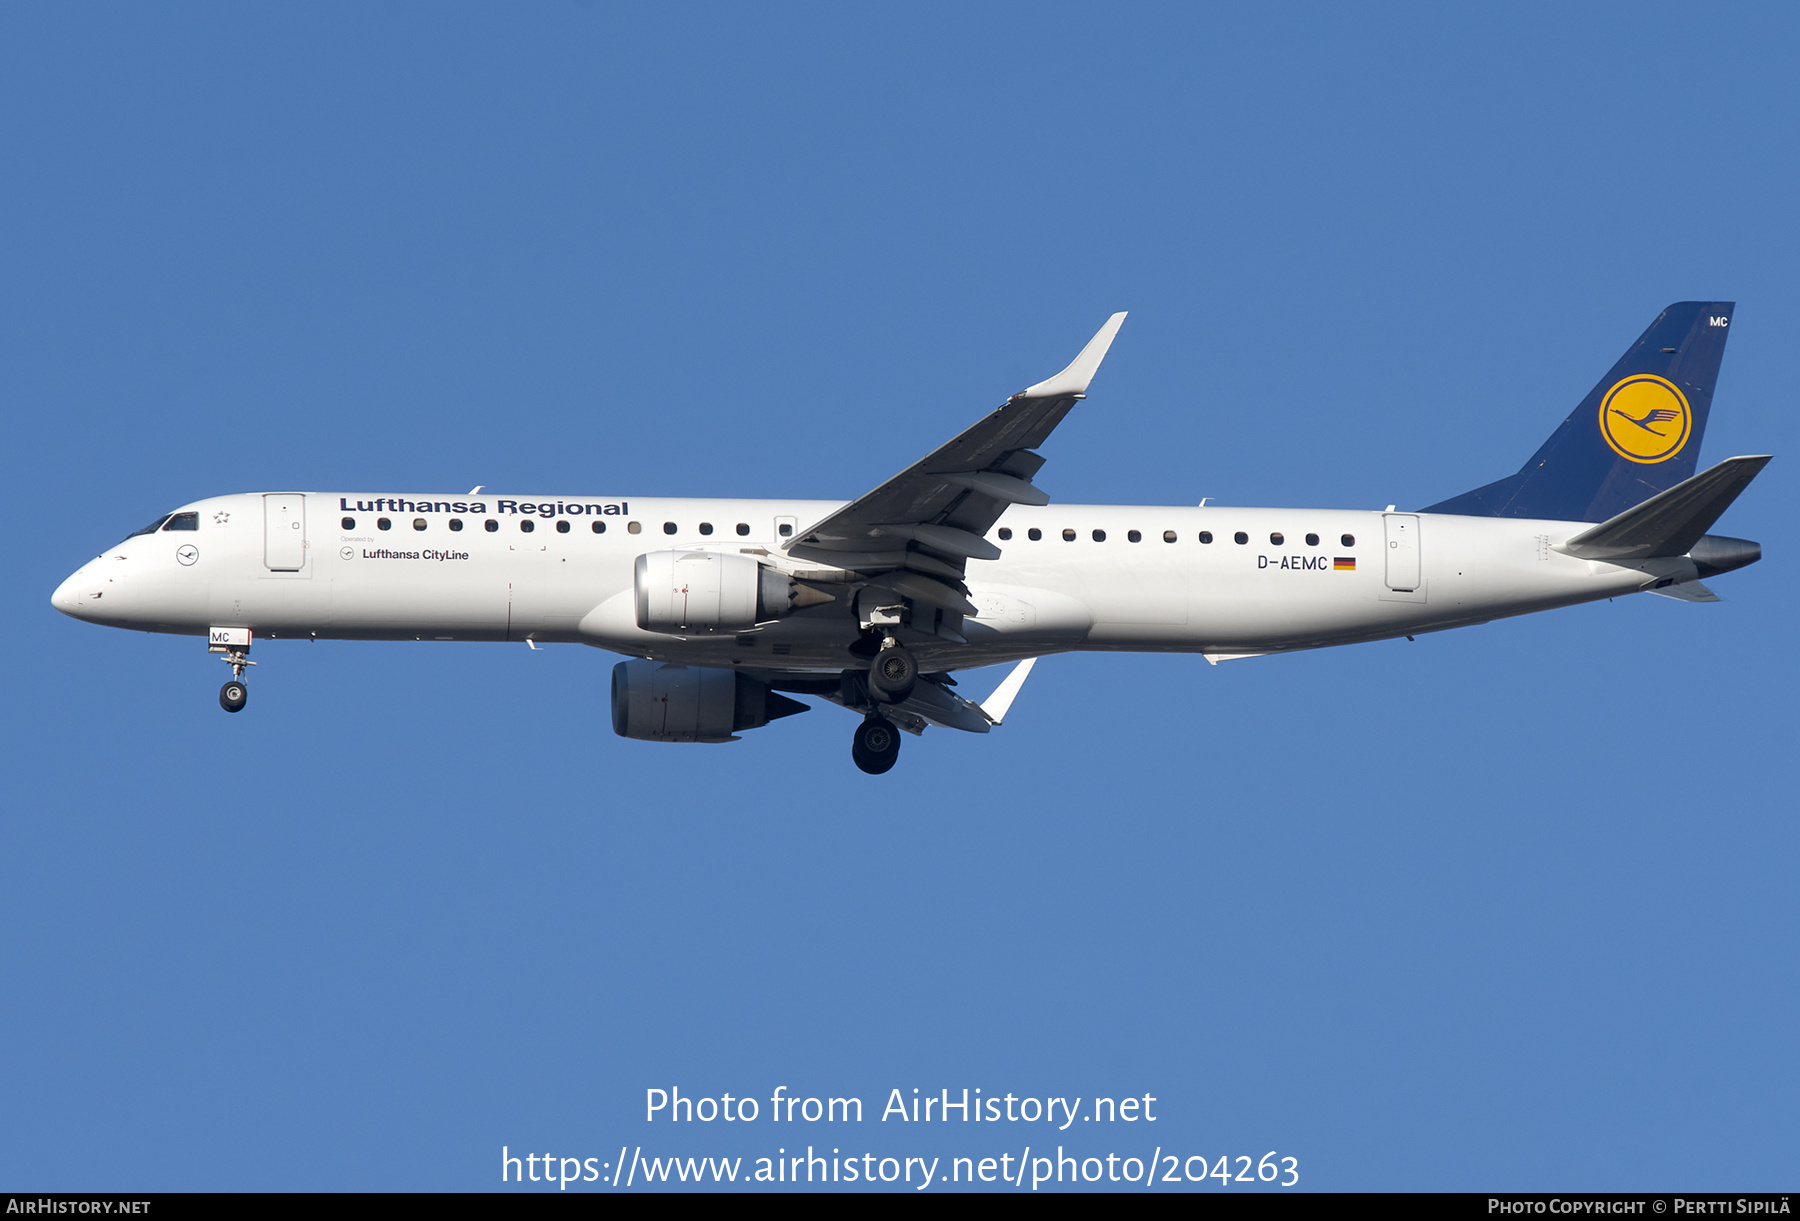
pixel 656 701
pixel 708 591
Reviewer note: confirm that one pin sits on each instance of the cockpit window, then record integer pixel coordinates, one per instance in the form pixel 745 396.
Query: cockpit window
pixel 183 521
pixel 153 527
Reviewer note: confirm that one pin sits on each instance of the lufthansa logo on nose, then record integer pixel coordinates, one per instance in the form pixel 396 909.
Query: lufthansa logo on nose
pixel 1645 418
pixel 187 553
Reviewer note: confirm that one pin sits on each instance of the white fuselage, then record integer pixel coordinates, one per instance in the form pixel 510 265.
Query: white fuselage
pixel 323 567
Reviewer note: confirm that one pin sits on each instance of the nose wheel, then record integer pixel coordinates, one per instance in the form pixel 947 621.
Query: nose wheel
pixel 232 646
pixel 876 745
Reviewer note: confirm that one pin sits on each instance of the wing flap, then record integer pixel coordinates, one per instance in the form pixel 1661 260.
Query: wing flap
pixel 999 486
pixel 924 589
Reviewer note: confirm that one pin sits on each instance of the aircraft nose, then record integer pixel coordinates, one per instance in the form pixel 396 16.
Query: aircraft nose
pixel 67 597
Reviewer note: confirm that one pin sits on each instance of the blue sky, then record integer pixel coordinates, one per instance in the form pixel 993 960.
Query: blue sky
pixel 1509 907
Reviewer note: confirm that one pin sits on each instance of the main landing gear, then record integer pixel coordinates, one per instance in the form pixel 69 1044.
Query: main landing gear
pixel 892 676
pixel 876 745
pixel 893 673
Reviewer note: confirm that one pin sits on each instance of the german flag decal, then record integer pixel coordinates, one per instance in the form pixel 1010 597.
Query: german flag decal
pixel 1344 564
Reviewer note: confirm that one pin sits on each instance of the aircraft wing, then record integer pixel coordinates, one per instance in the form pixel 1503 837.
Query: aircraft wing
pixel 923 525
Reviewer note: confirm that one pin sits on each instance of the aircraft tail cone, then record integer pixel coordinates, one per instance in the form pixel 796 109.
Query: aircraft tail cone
pixel 1716 553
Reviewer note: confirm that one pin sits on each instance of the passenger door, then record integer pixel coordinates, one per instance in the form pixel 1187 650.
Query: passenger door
pixel 527 561
pixel 1402 552
pixel 284 531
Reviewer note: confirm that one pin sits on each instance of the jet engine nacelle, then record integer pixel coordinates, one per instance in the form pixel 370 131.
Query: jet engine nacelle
pixel 656 701
pixel 708 591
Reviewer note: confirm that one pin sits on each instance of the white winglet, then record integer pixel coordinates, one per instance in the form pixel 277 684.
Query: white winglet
pixel 995 706
pixel 1075 378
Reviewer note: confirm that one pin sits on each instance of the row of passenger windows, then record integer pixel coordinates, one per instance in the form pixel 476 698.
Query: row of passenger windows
pixel 191 521
pixel 1276 539
pixel 527 525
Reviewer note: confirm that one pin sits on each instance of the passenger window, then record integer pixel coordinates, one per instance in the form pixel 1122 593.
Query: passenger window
pixel 349 523
pixel 1005 533
pixel 1349 540
pixel 599 527
pixel 1277 538
pixel 490 525
pixel 527 526
pixel 1240 538
pixel 1099 536
pixel 382 523
pixel 1312 540
pixel 183 521
pixel 418 523
pixel 1068 536
pixel 1034 534
pixel 706 527
pixel 1206 536
pixel 1168 536
pixel 562 527
pixel 668 527
pixel 743 529
pixel 634 527
pixel 786 530
pixel 1134 536
pixel 456 525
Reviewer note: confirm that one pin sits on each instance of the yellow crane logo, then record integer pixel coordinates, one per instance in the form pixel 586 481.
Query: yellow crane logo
pixel 1645 418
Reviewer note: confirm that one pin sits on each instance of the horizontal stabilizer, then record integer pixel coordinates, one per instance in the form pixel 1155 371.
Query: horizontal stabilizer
pixel 1672 521
pixel 1688 591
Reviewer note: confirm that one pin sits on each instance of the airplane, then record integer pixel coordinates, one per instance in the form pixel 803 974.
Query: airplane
pixel 727 609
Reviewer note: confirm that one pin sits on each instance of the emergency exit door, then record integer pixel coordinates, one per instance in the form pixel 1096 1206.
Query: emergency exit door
pixel 284 532
pixel 1402 552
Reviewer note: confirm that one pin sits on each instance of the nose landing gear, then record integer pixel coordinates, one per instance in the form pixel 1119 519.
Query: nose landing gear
pixel 876 745
pixel 233 646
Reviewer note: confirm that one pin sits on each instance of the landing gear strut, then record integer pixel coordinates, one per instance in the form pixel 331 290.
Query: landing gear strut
pixel 232 644
pixel 876 745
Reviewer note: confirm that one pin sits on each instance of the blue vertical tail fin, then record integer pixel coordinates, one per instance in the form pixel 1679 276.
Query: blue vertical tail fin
pixel 1637 432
